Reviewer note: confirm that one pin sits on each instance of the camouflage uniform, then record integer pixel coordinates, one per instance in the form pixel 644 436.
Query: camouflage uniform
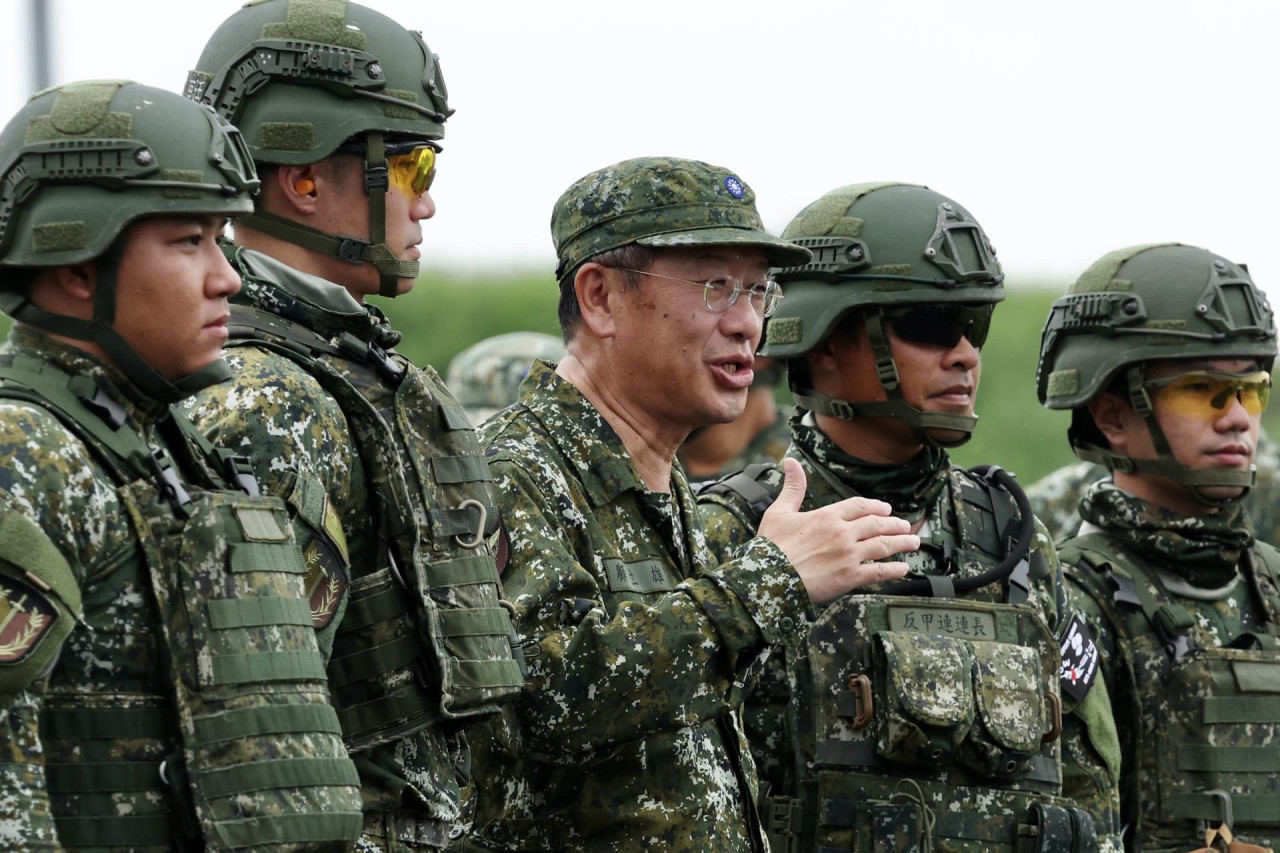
pixel 306 444
pixel 1056 496
pixel 1186 613
pixel 87 739
pixel 627 736
pixel 962 513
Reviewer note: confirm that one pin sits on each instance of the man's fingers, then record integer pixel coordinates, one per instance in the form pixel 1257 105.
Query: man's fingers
pixel 794 484
pixel 880 572
pixel 852 508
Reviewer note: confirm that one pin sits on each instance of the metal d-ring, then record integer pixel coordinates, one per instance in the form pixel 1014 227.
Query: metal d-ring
pixel 472 544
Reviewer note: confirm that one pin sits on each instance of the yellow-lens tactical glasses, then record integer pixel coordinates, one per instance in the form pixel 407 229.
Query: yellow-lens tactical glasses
pixel 413 171
pixel 1207 393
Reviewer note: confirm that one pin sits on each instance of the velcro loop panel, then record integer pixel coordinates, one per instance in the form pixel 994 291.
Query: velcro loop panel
pixel 190 176
pixel 486 673
pixel 476 622
pixel 393 111
pixel 290 829
pixel 267 557
pixel 91 777
pixel 321 21
pixel 1063 383
pixel 131 831
pixel 462 572
pixel 287 135
pixel 107 723
pixel 1228 759
pixel 454 417
pixel 277 773
pixel 266 720
pixel 256 612
pixel 25 545
pixel 369 663
pixel 254 667
pixel 380 607
pixel 1241 709
pixel 59 236
pixel 784 330
pixel 460 469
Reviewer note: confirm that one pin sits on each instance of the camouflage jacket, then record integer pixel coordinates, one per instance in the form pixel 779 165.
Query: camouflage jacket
pixel 627 737
pixel 302 449
pixel 1055 497
pixel 1192 663
pixel 53 480
pixel 953 513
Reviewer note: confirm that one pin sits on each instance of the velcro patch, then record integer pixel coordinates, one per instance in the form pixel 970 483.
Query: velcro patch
pixel 25 616
pixel 1079 659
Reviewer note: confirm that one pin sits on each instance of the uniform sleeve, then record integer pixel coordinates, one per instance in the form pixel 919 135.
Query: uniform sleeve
pixel 602 678
pixel 1091 752
pixel 25 821
pixel 725 528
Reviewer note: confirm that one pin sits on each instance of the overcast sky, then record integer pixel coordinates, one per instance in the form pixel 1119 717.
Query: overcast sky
pixel 1068 129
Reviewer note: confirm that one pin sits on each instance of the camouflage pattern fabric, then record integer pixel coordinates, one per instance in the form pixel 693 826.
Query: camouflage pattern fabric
pixel 300 442
pixel 48 476
pixel 627 737
pixel 1187 658
pixel 486 376
pixel 780 707
pixel 110 716
pixel 1055 497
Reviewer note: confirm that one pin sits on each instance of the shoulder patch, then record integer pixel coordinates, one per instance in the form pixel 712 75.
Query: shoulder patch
pixel 26 616
pixel 1079 659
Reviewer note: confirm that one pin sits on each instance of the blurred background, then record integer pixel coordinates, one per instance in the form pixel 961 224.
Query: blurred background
pixel 1067 129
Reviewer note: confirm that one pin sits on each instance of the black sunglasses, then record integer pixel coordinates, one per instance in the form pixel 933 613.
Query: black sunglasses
pixel 941 325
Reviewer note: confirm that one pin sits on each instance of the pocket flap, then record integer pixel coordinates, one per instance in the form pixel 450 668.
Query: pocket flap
pixel 1010 698
pixel 929 676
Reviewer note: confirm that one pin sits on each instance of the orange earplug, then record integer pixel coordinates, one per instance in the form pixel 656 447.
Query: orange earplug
pixel 305 186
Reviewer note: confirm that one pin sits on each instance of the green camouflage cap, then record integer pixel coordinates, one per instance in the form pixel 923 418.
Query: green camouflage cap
pixel 486 376
pixel 661 202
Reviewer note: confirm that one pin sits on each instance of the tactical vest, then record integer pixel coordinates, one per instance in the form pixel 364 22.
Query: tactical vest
pixel 245 749
pixel 426 637
pixel 1206 717
pixel 929 723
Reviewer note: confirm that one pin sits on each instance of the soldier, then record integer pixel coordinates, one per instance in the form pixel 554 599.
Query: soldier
pixel 1055 497
pixel 161 688
pixel 486 376
pixel 886 732
pixel 760 434
pixel 627 736
pixel 1162 355
pixel 342 109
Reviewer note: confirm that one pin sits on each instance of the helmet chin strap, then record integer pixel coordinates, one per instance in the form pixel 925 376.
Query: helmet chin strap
pixel 353 250
pixel 100 331
pixel 1165 464
pixel 922 424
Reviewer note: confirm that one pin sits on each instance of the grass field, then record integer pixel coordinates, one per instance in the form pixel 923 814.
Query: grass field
pixel 447 312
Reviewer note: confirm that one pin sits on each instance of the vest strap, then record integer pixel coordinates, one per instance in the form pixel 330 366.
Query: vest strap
pixel 267 666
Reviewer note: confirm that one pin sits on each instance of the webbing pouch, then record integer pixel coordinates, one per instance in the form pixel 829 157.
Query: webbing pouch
pixel 926 706
pixel 896 826
pixel 1011 709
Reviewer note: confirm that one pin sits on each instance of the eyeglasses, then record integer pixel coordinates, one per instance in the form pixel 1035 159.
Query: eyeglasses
pixel 721 293
pixel 941 325
pixel 411 166
pixel 413 171
pixel 1207 393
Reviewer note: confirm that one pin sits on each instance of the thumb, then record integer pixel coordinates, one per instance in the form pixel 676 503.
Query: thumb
pixel 794 484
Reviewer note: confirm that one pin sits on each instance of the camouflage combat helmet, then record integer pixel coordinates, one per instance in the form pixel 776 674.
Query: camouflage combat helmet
pixel 486 376
pixel 79 163
pixel 303 77
pixel 878 247
pixel 1142 304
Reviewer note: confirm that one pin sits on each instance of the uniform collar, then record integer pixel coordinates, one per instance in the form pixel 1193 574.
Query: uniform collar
pixel 140 408
pixel 580 433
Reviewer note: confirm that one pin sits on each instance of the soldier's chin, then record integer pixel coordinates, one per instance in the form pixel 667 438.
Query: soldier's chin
pixel 948 437
pixel 1220 494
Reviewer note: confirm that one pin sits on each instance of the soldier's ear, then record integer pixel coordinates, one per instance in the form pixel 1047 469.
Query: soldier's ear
pixel 65 290
pixel 597 288
pixel 1112 413
pixel 298 187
